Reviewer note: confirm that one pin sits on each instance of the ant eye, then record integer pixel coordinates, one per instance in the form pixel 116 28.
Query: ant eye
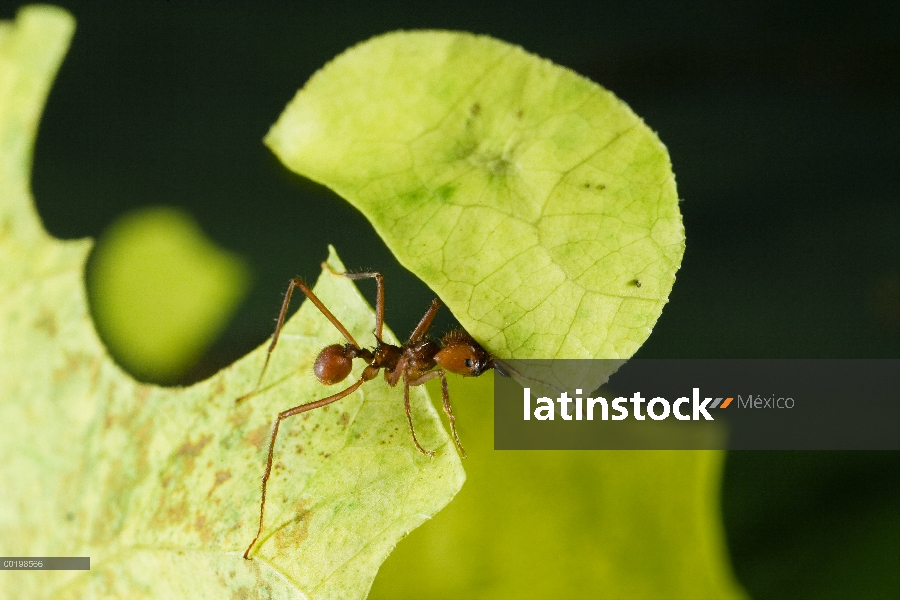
pixel 468 363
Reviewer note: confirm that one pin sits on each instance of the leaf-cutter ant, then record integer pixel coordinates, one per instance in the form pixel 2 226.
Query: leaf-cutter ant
pixel 419 360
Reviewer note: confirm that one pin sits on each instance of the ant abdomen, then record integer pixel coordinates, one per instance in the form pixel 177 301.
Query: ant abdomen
pixel 334 363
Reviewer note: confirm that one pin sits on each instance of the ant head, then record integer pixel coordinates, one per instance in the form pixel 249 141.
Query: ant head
pixel 462 355
pixel 334 363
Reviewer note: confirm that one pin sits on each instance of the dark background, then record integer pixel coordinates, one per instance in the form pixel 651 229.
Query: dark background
pixel 783 127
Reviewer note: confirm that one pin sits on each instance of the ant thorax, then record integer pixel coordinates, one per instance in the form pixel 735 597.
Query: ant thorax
pixel 419 355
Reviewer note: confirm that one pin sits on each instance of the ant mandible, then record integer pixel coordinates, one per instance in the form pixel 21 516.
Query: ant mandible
pixel 419 360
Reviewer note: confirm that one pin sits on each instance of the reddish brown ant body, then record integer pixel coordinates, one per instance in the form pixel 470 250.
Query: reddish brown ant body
pixel 419 360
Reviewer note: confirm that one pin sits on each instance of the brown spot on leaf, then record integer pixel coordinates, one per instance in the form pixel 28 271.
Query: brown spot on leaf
pixel 219 389
pixel 143 392
pixel 194 449
pixel 176 513
pixel 259 436
pixel 221 477
pixel 238 417
pixel 344 420
pixel 109 579
pixel 190 451
pixel 242 593
pixel 74 363
pixel 95 374
pixel 204 530
pixel 47 322
pixel 294 532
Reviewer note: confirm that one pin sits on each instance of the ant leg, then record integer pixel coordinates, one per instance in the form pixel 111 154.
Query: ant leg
pixel 281 417
pixel 298 283
pixel 425 324
pixel 445 392
pixel 412 429
pixel 379 298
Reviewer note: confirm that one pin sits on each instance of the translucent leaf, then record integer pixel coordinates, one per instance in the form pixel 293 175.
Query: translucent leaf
pixel 567 524
pixel 161 486
pixel 536 204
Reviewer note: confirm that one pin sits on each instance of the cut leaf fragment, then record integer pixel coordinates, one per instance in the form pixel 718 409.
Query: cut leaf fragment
pixel 536 204
pixel 160 487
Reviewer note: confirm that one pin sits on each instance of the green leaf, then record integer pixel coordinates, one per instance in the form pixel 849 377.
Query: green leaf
pixel 539 207
pixel 161 291
pixel 161 486
pixel 567 524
